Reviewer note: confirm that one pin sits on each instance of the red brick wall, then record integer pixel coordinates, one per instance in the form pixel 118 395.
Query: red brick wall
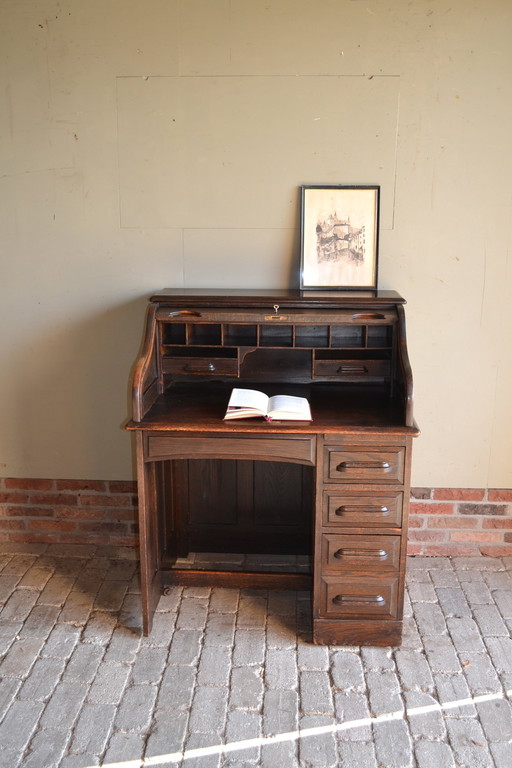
pixel 458 521
pixel 443 521
pixel 74 511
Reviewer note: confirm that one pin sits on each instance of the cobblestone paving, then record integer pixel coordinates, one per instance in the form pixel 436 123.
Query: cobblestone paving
pixel 229 677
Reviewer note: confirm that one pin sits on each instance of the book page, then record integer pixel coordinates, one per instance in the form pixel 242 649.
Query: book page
pixel 248 398
pixel 289 406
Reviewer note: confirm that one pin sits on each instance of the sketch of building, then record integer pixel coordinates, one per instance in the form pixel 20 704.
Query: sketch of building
pixel 337 239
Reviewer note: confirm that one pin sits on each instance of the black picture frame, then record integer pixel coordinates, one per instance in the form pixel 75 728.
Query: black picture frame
pixel 339 237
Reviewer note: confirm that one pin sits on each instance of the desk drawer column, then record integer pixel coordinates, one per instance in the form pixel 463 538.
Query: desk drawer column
pixel 360 539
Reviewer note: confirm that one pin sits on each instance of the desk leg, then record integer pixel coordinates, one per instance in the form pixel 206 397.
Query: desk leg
pixel 151 588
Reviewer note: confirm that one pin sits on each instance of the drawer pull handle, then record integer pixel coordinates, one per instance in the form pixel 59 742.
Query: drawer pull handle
pixel 384 465
pixel 185 313
pixel 368 316
pixel 380 554
pixel 347 510
pixel 359 599
pixel 199 367
pixel 355 370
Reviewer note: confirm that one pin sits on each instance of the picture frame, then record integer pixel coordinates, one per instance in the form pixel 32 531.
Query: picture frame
pixel 339 237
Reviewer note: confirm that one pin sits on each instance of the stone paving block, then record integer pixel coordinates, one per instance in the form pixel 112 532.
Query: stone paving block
pixel 149 665
pixel 130 613
pixel 136 708
pixel 46 748
pixel 477 593
pixel 283 753
pixel 92 728
pixel 177 687
pixel 40 621
pixel 56 590
pixel 350 708
pixel 109 684
pixel 433 753
pixel 280 712
pixel 441 655
pixel 64 705
pixel 19 604
pixel 502 754
pixel 357 754
pixel 170 600
pixel 124 747
pixel 193 613
pixel 9 632
pixel 414 671
pixel 242 726
pixel 224 600
pixel 77 608
pixel 43 679
pixel 424 724
pixel 317 750
pixel 168 732
pixel 61 641
pixel 19 724
pixel 36 577
pixel 281 632
pixel 480 674
pixel 212 758
pixel 84 663
pixel 384 693
pixel 7 586
pixel 8 690
pixel 208 713
pixel 347 671
pixel 444 578
pixel 246 688
pixel 186 646
pixel 111 595
pixel 161 630
pixel 496 719
pixel 312 656
pixel 410 636
pixel 465 635
pixel 468 743
pixel 80 761
pixel 453 602
pixel 99 628
pixel 498 580
pixel 123 646
pixel 280 669
pixel 478 563
pixel 500 651
pixel 421 592
pixel 489 621
pixel 503 600
pixel 451 689
pixel 252 612
pixel 214 665
pixel 315 693
pixel 393 745
pixel 220 629
pixel 377 658
pixel 21 657
pixel 249 648
pixel 430 619
pixel 18 565
pixel 282 602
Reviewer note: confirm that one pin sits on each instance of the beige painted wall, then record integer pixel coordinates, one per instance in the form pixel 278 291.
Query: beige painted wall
pixel 162 143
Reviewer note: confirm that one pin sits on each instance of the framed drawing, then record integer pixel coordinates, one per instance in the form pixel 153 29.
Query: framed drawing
pixel 339 237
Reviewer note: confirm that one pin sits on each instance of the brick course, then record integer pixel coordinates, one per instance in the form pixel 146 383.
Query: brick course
pixel 443 521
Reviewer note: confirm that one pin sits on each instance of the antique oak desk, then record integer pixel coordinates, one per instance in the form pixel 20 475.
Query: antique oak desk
pixel 336 488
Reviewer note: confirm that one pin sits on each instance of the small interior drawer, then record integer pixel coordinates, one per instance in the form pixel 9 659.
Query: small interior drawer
pixel 355 465
pixel 359 596
pixel 364 509
pixel 352 370
pixel 200 366
pixel 367 553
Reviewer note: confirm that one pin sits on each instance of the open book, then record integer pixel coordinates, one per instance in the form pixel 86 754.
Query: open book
pixel 247 403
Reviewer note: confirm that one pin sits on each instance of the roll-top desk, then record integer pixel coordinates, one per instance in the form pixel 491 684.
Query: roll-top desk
pixel 336 488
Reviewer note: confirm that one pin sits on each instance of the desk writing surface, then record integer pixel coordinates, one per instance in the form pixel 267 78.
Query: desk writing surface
pixel 334 409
